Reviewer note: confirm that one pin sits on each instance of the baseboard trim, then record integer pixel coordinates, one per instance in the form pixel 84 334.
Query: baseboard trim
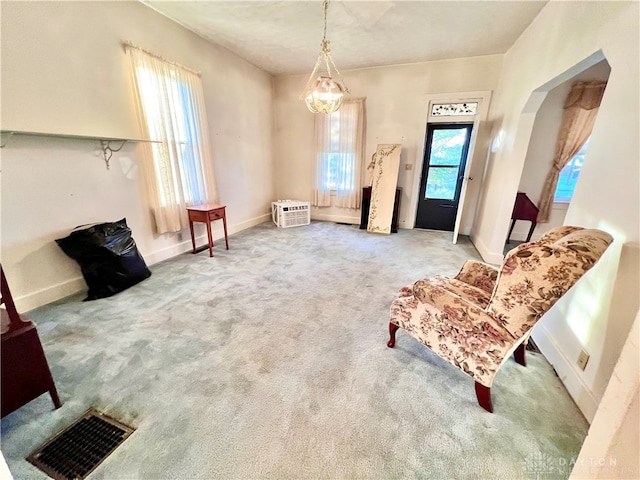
pixel 335 218
pixel 172 250
pixel 568 373
pixel 520 234
pixel 185 245
pixel 487 255
pixel 43 296
pixel 60 290
pixel 252 222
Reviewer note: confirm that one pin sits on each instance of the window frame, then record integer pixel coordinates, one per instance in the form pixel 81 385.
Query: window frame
pixel 571 166
pixel 184 141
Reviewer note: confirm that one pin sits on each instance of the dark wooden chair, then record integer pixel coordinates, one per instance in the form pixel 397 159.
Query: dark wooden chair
pixel 25 371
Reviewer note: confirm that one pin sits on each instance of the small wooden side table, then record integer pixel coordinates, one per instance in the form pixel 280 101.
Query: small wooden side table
pixel 207 213
pixel 25 371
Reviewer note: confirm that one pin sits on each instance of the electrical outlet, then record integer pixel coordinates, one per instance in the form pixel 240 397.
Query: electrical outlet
pixel 583 359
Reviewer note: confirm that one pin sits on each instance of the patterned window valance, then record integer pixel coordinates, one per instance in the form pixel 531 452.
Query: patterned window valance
pixel 586 95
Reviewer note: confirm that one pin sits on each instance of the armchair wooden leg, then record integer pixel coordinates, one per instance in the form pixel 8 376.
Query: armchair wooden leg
pixel 484 397
pixel 519 354
pixel 393 328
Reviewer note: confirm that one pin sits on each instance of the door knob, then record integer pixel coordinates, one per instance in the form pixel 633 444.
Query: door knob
pixel 469 178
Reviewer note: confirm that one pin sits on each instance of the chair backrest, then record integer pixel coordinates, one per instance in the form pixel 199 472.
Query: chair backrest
pixel 535 275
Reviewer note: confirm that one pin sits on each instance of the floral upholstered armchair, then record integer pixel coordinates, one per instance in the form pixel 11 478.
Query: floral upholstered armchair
pixel 477 319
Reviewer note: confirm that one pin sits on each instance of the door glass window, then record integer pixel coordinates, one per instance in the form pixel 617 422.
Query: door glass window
pixel 447 147
pixel 441 183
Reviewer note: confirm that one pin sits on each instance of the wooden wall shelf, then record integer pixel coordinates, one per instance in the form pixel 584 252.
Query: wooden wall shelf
pixel 105 142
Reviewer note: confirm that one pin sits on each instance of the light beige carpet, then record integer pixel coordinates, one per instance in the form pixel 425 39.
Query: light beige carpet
pixel 269 361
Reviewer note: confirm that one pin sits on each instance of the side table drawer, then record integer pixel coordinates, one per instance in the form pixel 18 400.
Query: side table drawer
pixel 215 214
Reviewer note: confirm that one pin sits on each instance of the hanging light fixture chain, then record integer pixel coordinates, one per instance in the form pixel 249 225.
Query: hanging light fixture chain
pixel 324 94
pixel 325 43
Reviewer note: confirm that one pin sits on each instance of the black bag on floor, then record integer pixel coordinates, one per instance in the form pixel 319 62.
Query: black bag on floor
pixel 108 257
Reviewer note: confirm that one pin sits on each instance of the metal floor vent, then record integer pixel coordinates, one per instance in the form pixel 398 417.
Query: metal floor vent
pixel 76 451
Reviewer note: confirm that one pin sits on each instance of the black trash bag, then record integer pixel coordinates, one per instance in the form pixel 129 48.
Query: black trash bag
pixel 108 257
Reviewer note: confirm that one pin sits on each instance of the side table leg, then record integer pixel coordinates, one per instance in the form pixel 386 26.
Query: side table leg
pixel 513 224
pixel 210 236
pixel 533 226
pixel 224 223
pixel 193 238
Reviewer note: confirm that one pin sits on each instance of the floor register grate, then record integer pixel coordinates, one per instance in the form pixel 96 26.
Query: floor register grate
pixel 76 451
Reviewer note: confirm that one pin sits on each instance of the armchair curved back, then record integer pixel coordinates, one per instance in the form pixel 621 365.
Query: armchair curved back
pixel 535 275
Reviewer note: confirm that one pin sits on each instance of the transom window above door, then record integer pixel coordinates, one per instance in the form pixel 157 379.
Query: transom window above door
pixel 453 109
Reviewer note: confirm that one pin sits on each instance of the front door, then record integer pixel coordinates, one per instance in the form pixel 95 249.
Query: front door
pixel 442 173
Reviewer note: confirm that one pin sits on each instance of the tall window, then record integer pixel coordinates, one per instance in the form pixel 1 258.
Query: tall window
pixel 569 176
pixel 338 167
pixel 178 169
pixel 339 155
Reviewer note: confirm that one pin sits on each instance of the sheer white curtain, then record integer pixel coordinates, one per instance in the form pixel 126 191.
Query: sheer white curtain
pixel 339 142
pixel 177 166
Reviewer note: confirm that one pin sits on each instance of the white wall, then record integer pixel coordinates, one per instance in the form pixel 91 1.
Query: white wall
pixel 538 161
pixel 611 447
pixel 606 197
pixel 542 148
pixel 396 112
pixel 64 71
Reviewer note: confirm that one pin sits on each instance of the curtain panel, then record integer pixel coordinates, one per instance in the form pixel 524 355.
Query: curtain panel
pixel 177 166
pixel 339 146
pixel 578 118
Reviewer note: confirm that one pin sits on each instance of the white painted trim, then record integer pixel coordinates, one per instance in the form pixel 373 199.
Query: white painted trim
pixel 252 222
pixel 328 217
pixel 567 371
pixel 480 117
pixel 494 258
pixel 50 294
pixel 173 250
pixel 185 245
pixel 521 230
pixel 483 98
pixel 522 140
pixel 606 437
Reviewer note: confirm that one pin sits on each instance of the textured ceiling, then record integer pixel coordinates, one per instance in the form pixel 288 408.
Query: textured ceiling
pixel 283 37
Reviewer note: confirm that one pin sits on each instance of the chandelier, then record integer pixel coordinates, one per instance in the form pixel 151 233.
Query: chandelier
pixel 323 94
